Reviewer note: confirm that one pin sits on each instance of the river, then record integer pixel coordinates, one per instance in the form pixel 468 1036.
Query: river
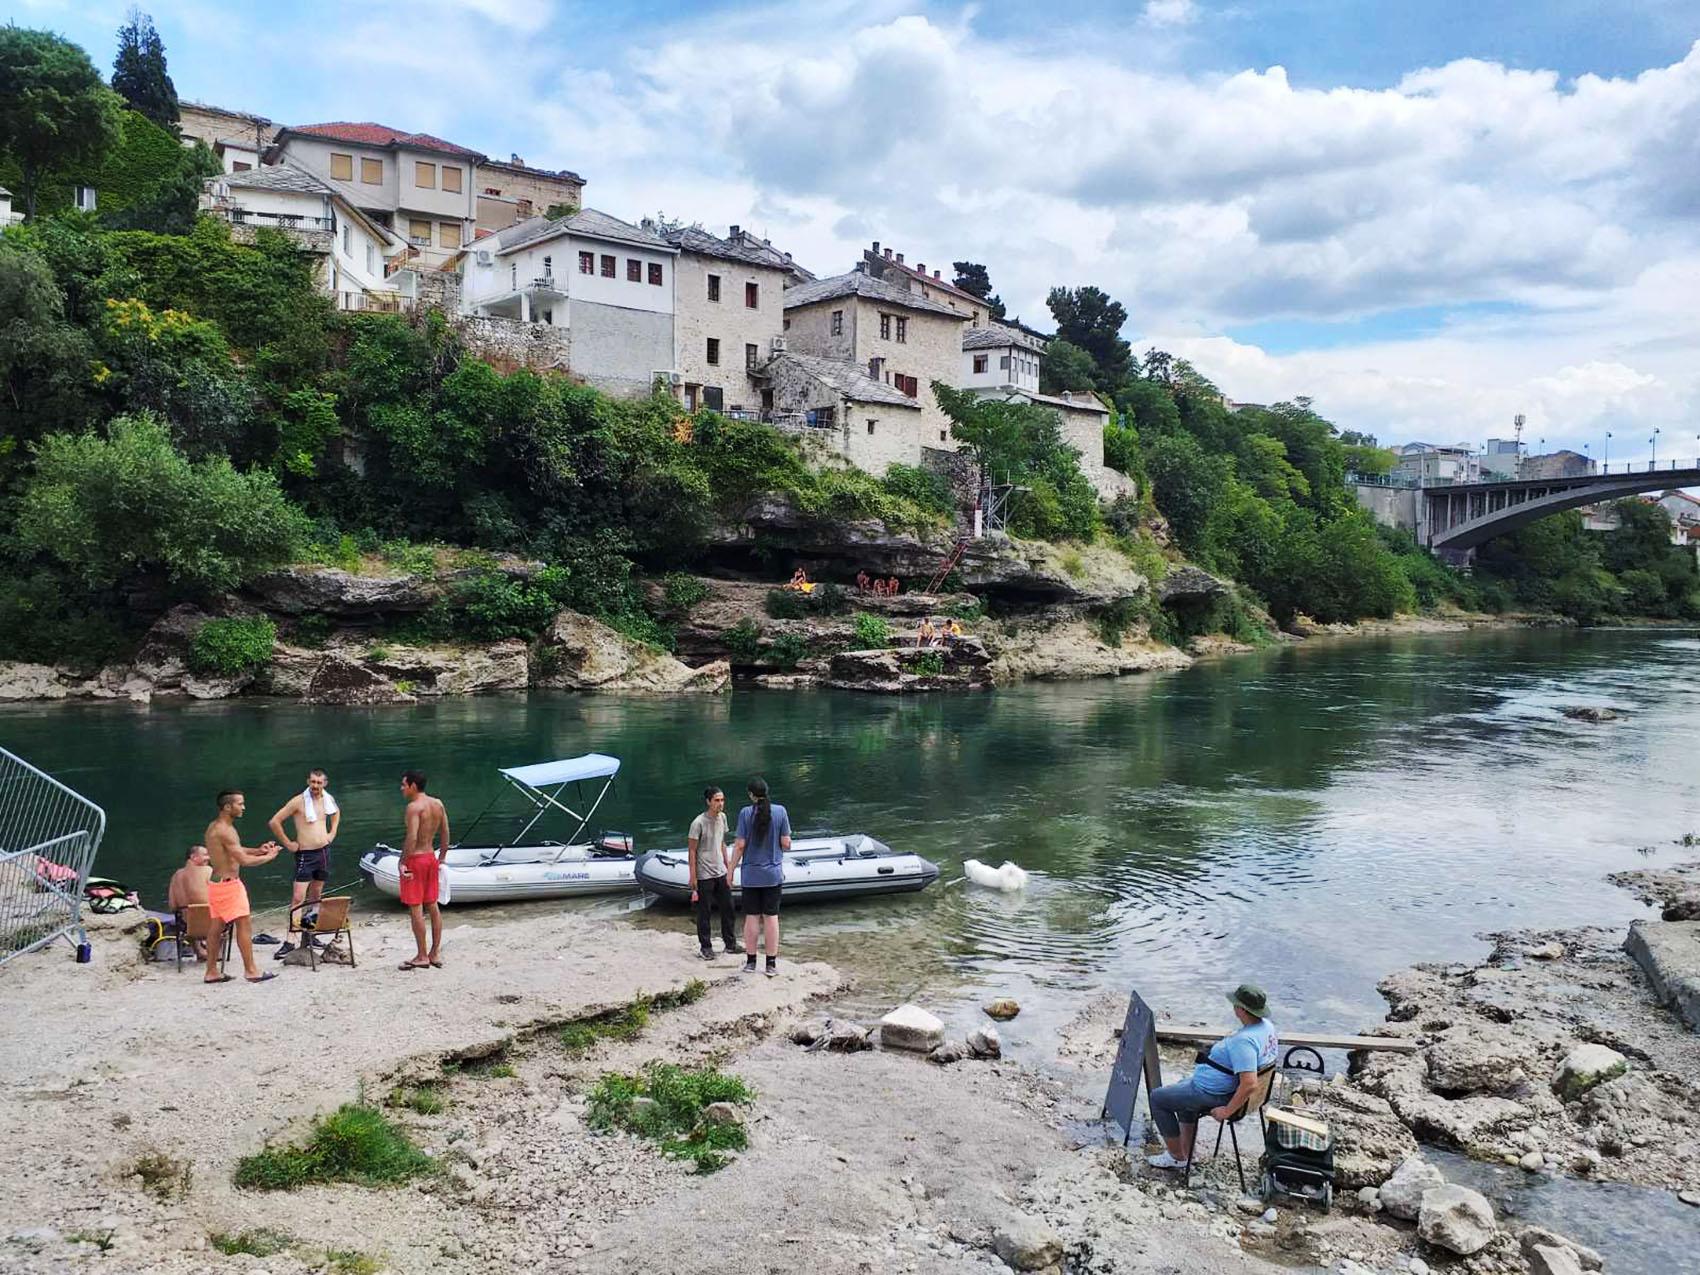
pixel 1308 817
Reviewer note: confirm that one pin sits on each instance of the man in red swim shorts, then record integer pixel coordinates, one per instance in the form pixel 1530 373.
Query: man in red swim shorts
pixel 427 822
pixel 227 897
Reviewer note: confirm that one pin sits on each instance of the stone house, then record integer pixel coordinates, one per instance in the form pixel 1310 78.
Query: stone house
pixel 236 137
pixel 351 250
pixel 889 267
pixel 418 186
pixel 607 283
pixel 867 422
pixel 729 306
pixel 511 192
pixel 1082 417
pixel 890 334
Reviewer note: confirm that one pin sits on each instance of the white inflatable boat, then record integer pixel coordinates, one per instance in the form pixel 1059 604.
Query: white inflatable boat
pixel 524 866
pixel 815 868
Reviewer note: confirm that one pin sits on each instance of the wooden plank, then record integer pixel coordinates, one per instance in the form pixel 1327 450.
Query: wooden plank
pixel 1210 1035
pixel 1280 1115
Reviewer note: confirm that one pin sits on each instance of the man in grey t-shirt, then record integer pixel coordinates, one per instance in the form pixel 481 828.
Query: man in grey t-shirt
pixel 711 886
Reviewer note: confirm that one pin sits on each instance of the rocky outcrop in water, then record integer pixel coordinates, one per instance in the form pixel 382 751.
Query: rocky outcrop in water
pixel 578 653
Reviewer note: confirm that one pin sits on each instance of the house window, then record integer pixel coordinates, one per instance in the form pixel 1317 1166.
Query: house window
pixel 451 180
pixel 1004 361
pixel 751 354
pixel 908 384
pixel 347 239
pixel 838 323
pixel 823 417
pixel 634 270
pixel 752 296
pixel 372 171
pixel 607 266
pixel 587 263
pixel 548 267
pixel 85 198
pixel 451 234
pixel 371 260
pixel 714 287
pixel 979 362
pixel 714 351
pixel 342 167
pixel 885 327
pixel 419 231
pixel 713 397
pixel 902 330
pixel 786 326
pixel 870 427
pixel 240 166
pixel 874 366
pixel 424 175
pixel 655 273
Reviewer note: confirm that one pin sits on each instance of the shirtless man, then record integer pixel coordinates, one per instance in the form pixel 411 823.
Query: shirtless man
pixel 427 822
pixel 189 886
pixel 316 817
pixel 227 897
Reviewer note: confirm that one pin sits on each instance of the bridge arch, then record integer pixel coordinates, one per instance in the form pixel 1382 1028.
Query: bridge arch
pixel 1465 515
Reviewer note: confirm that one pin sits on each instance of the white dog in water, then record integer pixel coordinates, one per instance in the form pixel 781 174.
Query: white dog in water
pixel 1008 877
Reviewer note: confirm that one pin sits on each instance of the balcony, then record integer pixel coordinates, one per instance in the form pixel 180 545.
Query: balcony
pixel 280 221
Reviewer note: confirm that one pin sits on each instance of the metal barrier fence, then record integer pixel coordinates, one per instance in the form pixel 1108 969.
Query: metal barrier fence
pixel 48 838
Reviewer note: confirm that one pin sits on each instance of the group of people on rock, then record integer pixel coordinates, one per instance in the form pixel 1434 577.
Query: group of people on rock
pixel 946 630
pixel 887 588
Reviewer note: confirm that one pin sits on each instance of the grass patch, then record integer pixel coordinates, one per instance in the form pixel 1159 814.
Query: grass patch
pixel 928 664
pixel 1072 563
pixel 491 1066
pixel 162 1177
pixel 672 1113
pixel 348 1261
pixel 102 1240
pixel 355 1143
pixel 256 1243
pixel 627 1022
pixel 427 1100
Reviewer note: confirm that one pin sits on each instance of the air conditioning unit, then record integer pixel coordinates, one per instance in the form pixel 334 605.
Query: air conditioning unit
pixel 669 378
pixel 482 256
pixel 778 345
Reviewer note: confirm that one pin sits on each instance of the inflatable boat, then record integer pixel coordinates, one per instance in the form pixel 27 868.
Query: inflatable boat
pixel 815 868
pixel 525 866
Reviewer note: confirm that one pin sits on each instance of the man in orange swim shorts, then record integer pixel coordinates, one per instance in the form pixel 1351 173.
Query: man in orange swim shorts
pixel 427 821
pixel 227 897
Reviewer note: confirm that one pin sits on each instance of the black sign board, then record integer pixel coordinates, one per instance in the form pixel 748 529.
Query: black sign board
pixel 1136 1058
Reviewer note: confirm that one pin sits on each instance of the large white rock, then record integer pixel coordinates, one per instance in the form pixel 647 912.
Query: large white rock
pixel 910 1027
pixel 1456 1219
pixel 1584 1067
pixel 1402 1194
pixel 1547 1260
pixel 1027 1245
pixel 983 1042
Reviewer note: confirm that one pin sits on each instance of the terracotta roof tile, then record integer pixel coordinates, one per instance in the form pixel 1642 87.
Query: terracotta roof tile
pixel 366 133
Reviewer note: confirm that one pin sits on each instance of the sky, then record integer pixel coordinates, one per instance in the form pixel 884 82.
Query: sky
pixel 1427 217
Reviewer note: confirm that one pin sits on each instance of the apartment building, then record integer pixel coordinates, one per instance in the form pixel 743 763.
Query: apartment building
pixel 889 267
pixel 730 305
pixel 418 186
pixel 996 356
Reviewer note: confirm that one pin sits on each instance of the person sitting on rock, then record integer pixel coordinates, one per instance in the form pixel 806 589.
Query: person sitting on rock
pixel 862 581
pixel 1222 1082
pixel 927 636
pixel 799 580
pixel 955 629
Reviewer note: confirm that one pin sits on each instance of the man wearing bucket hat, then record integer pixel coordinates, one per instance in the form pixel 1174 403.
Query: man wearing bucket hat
pixel 1222 1080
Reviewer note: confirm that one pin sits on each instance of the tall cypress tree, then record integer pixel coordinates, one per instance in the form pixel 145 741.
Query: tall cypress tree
pixel 139 74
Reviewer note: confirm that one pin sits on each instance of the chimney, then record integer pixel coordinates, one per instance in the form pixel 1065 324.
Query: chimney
pixel 921 266
pixel 900 258
pixel 936 274
pixel 734 234
pixel 888 254
pixel 876 247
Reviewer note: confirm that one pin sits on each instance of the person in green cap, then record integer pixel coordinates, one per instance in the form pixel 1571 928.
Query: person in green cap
pixel 1222 1081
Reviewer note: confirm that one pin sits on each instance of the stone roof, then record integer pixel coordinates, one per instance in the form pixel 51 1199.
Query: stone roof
pixel 847 380
pixel 366 133
pixel 745 248
pixel 1086 403
pixel 277 177
pixel 519 166
pixel 855 283
pixel 996 336
pixel 588 222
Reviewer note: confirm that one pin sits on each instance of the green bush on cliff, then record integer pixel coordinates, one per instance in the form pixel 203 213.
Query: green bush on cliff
pixel 743 641
pixel 230 647
pixel 490 606
pixel 872 632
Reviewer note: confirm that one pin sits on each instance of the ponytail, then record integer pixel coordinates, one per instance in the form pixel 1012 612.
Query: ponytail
pixel 764 810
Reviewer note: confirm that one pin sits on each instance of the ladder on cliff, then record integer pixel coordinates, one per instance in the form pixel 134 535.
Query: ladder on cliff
pixel 949 565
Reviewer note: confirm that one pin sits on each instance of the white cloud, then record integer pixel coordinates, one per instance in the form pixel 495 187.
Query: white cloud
pixel 1168 13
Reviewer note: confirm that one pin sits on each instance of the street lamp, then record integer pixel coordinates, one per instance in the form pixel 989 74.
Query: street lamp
pixel 1608 451
pixel 1653 442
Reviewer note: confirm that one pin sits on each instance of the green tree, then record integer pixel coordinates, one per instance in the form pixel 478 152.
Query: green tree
pixel 138 72
pixel 1187 483
pixel 54 111
pixel 971 276
pixel 1022 443
pixel 118 508
pixel 1089 318
pixel 1066 367
pixel 44 360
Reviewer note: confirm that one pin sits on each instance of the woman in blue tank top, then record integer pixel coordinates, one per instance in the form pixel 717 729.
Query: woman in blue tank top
pixel 764 835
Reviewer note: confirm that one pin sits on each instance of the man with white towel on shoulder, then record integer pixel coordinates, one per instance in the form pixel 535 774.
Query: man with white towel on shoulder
pixel 316 817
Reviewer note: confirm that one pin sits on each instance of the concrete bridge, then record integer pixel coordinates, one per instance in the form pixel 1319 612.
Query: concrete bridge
pixel 1453 518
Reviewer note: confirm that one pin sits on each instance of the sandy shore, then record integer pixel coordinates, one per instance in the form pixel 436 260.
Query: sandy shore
pixel 861 1162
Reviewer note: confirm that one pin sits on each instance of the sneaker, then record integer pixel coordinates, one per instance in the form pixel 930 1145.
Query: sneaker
pixel 283 950
pixel 707 953
pixel 1164 1161
pixel 734 949
pixel 749 965
pixel 772 967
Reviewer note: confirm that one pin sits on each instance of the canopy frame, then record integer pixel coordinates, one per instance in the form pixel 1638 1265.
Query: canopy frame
pixel 545 797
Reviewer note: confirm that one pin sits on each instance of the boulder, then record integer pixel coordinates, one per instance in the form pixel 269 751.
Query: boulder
pixel 301 590
pixel 1456 1219
pixel 1402 1194
pixel 341 680
pixel 577 653
pixel 984 1042
pixel 21 681
pixel 1475 1062
pixel 1187 585
pixel 947 1052
pixel 1533 1237
pixel 1588 713
pixel 1545 1259
pixel 1027 1245
pixel 1584 1067
pixel 847 1038
pixel 809 1033
pixel 911 1027
pixel 291 670
pixel 474 670
pixel 1370 1142
pixel 725 1113
pixel 1003 1008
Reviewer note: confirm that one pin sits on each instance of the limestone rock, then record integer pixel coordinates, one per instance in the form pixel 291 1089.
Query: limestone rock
pixel 577 653
pixel 947 1052
pixel 1589 713
pixel 1003 1008
pixel 341 680
pixel 1584 1067
pixel 847 1038
pixel 1475 1062
pixel 473 670
pixel 1370 1142
pixel 808 1033
pixel 21 681
pixel 910 1027
pixel 1547 952
pixel 1187 585
pixel 291 670
pixel 1533 1237
pixel 1531 1161
pixel 1547 1260
pixel 1027 1245
pixel 1456 1219
pixel 721 1113
pixel 1402 1194
pixel 300 590
pixel 984 1042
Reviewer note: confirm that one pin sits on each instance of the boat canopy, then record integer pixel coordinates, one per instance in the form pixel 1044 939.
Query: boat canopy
pixel 568 770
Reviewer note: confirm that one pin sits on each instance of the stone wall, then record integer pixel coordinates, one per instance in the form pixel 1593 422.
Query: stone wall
pixel 510 344
pixel 728 320
pixel 932 352
pixel 1390 506
pixel 809 330
pixel 619 350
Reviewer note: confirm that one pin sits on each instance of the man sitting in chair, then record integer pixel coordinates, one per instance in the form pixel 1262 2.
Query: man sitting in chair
pixel 1223 1080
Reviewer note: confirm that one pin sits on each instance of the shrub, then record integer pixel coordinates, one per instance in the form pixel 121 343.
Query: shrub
pixel 786 604
pixel 928 664
pixel 672 1117
pixel 682 590
pixel 231 647
pixel 340 551
pixel 490 606
pixel 1115 620
pixel 1072 563
pixel 743 641
pixel 872 631
pixel 427 1099
pixel 922 487
pixel 313 630
pixel 414 559
pixel 163 1177
pixel 787 650
pixel 259 1242
pixel 355 1143
pixel 971 609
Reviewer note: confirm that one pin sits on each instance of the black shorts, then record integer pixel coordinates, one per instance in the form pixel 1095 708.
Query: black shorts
pixel 313 865
pixel 761 900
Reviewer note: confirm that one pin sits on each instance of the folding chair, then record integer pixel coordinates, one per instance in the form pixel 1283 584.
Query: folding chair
pixel 1254 1102
pixel 194 924
pixel 329 916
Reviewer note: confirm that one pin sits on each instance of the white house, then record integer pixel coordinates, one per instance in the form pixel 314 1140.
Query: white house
pixel 1000 357
pixel 7 216
pixel 606 281
pixel 352 248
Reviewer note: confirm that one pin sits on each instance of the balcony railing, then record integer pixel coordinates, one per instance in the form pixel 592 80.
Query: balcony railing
pixel 282 221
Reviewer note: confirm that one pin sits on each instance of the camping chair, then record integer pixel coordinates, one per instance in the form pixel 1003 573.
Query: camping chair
pixel 331 917
pixel 194 924
pixel 1254 1102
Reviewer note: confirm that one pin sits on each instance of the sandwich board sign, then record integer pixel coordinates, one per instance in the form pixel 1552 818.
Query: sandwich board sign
pixel 1136 1059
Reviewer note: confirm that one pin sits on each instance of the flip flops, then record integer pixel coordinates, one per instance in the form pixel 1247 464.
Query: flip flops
pixel 264 978
pixel 414 965
pixel 222 978
pixel 436 965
